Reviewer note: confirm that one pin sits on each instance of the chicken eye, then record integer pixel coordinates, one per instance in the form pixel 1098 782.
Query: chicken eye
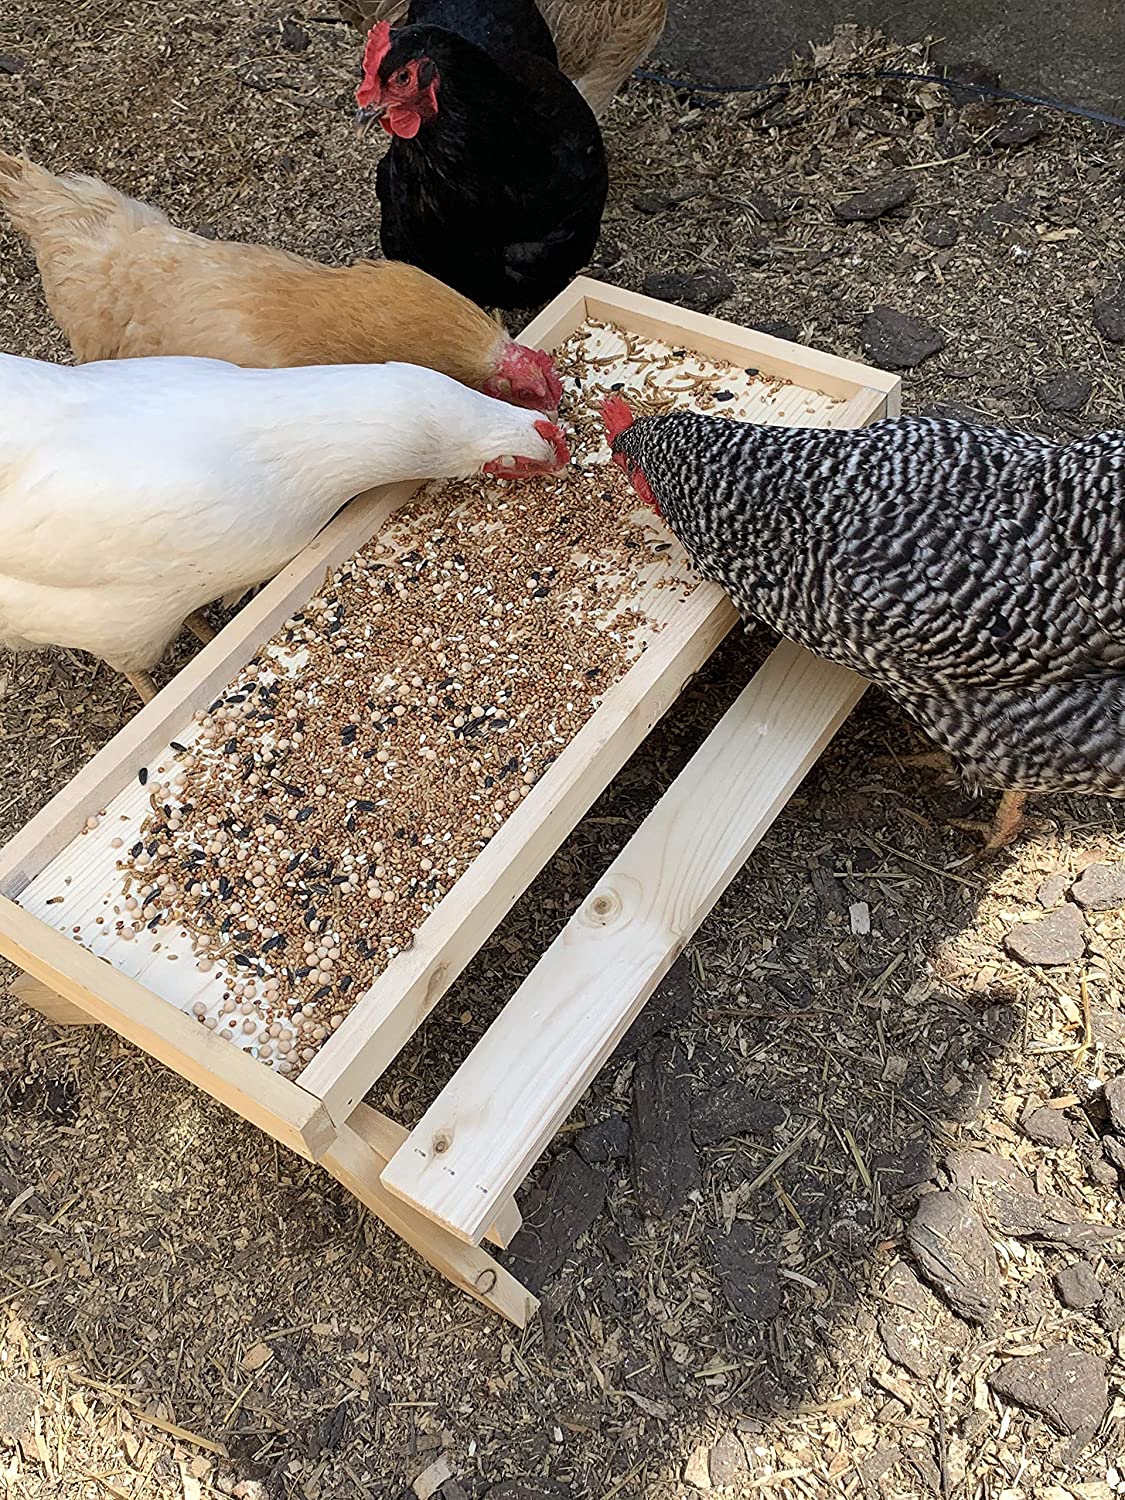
pixel 401 78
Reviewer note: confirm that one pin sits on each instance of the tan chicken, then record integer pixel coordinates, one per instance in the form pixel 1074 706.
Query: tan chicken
pixel 123 282
pixel 599 42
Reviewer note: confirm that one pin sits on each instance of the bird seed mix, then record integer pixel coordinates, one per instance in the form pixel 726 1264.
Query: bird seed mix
pixel 303 829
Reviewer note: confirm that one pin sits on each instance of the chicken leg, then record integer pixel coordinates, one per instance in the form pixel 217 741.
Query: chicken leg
pixel 203 631
pixel 143 685
pixel 1003 828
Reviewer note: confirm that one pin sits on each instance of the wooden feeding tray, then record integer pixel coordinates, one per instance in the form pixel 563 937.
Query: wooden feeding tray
pixel 272 875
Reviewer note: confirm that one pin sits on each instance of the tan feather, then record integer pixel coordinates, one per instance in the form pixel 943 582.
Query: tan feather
pixel 123 282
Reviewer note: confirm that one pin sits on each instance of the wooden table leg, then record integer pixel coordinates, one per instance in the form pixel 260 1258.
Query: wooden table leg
pixel 51 1006
pixel 357 1163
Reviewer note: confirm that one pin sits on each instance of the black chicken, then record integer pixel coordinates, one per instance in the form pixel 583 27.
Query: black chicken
pixel 496 176
pixel 976 575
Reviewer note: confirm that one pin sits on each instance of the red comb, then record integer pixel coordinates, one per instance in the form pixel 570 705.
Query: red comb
pixel 617 416
pixel 541 358
pixel 376 48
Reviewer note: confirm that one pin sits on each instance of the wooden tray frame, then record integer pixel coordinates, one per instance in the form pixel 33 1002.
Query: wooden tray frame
pixel 449 1183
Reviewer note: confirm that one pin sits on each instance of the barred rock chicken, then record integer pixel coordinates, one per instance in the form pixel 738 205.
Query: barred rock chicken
pixel 496 175
pixel 977 576
pixel 123 282
pixel 133 492
pixel 599 42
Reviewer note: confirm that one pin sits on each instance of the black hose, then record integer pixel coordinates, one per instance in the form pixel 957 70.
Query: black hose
pixel 985 90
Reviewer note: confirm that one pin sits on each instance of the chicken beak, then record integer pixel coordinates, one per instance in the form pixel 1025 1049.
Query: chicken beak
pixel 365 118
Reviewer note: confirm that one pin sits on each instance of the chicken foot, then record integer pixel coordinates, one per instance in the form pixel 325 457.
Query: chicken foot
pixel 143 685
pixel 1002 829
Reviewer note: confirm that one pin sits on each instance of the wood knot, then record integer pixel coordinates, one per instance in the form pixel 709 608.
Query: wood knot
pixel 605 904
pixel 441 1144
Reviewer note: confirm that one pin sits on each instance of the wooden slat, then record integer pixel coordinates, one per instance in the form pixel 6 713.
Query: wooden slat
pixel 501 1108
pixel 719 339
pixel 560 318
pixel 51 1006
pixel 200 682
pixel 400 999
pixel 385 1136
pixel 379 1025
pixel 356 1159
pixel 290 1114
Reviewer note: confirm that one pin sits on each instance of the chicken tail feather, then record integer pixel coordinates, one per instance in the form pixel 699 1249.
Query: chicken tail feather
pixel 51 211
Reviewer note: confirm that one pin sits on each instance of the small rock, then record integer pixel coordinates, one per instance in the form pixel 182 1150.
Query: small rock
pixel 1114 1096
pixel 904 1290
pixel 1102 1173
pixel 1002 221
pixel 699 290
pixel 733 1110
pixel 1111 1312
pixel 664 1162
pixel 957 411
pixel 903 1343
pixel 431 1480
pixel 1064 391
pixel 1100 887
pixel 1012 1202
pixel 777 328
pixel 875 1465
pixel 859 919
pixel 608 1140
pixel 1066 1386
pixel 1057 938
pixel 671 1004
pixel 451 1490
pixel 728 1462
pixel 651 203
pixel 17 1409
pixel 1053 891
pixel 1019 127
pixel 570 1202
pixel 907 1167
pixel 1113 1148
pixel 950 141
pixel 898 342
pixel 11 65
pixel 954 1252
pixel 697 1470
pixel 940 231
pixel 973 77
pixel 1047 1127
pixel 1078 1286
pixel 750 1280
pixel 1109 313
pixel 294 38
pixel 875 202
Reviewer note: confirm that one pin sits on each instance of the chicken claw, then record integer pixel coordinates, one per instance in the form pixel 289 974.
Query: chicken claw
pixel 1003 828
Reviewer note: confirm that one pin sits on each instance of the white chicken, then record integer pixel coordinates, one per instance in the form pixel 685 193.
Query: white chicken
pixel 133 492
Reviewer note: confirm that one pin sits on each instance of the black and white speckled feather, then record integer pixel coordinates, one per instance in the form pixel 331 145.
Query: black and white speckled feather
pixel 977 575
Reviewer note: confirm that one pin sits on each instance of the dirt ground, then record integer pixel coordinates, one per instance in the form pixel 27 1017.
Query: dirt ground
pixel 748 1279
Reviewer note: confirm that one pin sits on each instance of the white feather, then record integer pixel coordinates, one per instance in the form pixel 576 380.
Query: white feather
pixel 133 492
